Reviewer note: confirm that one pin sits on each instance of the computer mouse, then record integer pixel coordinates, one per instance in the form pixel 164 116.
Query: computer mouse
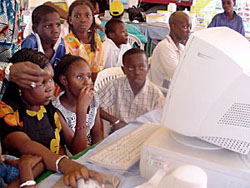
pixel 91 184
pixel 186 176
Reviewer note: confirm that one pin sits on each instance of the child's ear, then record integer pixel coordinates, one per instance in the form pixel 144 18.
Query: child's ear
pixel 70 20
pixel 111 35
pixel 63 80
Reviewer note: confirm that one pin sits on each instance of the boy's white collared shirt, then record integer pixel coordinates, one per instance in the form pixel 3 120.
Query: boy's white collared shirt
pixel 39 43
pixel 113 54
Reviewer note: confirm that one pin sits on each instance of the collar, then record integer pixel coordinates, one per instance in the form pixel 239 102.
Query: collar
pixel 39 43
pixel 39 114
pixel 112 43
pixel 170 40
pixel 225 16
pixel 127 86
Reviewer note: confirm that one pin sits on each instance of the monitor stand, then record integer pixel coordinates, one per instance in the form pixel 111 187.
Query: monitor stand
pixel 224 168
pixel 193 142
pixel 246 160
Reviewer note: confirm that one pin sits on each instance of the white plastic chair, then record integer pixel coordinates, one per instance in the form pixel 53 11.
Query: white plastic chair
pixel 103 77
pixel 133 39
pixel 106 75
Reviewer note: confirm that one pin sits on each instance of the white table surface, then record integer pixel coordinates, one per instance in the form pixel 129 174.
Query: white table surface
pixel 129 178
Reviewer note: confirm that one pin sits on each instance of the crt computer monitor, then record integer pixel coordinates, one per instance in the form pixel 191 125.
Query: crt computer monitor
pixel 209 95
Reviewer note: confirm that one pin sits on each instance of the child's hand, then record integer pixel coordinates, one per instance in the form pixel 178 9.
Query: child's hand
pixel 85 97
pixel 25 160
pixel 2 159
pixel 77 171
pixel 29 160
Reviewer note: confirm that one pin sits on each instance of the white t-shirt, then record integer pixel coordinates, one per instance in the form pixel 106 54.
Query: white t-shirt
pixel 164 61
pixel 113 54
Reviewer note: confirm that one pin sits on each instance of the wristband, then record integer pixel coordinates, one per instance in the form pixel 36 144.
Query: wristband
pixel 7 71
pixel 58 161
pixel 28 183
pixel 115 123
pixel 80 127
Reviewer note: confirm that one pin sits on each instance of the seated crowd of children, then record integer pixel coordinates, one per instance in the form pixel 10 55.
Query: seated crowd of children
pixel 41 126
pixel 44 122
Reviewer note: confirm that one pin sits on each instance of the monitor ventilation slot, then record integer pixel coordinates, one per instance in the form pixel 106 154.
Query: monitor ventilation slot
pixel 231 144
pixel 237 115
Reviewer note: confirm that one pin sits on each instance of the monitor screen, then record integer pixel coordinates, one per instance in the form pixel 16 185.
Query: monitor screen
pixel 209 95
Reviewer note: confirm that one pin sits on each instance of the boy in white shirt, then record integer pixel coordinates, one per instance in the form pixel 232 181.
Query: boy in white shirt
pixel 115 44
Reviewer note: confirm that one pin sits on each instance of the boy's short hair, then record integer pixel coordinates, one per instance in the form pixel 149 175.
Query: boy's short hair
pixel 40 11
pixel 111 26
pixel 116 8
pixel 133 51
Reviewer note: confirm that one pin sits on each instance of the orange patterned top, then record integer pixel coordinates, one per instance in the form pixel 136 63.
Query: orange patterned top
pixel 76 47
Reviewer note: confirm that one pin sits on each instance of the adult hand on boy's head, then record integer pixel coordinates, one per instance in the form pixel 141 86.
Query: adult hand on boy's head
pixel 25 73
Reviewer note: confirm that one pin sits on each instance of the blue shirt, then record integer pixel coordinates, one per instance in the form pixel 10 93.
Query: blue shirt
pixel 31 42
pixel 8 173
pixel 236 23
pixel 130 29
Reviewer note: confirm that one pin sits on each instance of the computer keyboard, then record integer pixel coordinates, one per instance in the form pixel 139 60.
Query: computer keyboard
pixel 125 152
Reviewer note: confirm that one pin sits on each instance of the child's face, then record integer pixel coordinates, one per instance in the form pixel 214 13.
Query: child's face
pixel 81 18
pixel 77 77
pixel 42 94
pixel 228 5
pixel 49 28
pixel 136 69
pixel 120 36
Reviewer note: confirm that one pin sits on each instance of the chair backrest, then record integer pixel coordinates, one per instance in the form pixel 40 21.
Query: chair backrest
pixel 103 77
pixel 106 75
pixel 133 39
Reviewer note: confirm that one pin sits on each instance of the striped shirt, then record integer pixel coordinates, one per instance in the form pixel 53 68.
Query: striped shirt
pixel 127 107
